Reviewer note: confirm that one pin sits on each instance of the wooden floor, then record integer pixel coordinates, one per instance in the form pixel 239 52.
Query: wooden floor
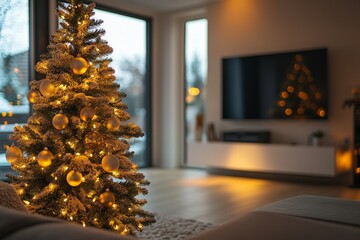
pixel 195 194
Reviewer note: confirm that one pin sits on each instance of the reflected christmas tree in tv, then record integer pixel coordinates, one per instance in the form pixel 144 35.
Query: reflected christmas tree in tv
pixel 300 97
pixel 73 157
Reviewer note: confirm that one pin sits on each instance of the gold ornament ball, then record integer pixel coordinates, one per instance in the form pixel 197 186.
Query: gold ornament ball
pixel 110 163
pixel 33 95
pixel 79 65
pixel 74 178
pixel 113 123
pixel 60 121
pixel 107 199
pixel 87 113
pixel 46 88
pixel 13 153
pixel 44 158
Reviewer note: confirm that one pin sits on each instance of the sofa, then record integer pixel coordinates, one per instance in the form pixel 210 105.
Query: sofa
pixel 300 217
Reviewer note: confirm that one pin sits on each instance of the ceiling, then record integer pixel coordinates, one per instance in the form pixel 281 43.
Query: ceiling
pixel 168 5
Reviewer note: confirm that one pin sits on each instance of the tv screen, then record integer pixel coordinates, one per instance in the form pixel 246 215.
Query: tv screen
pixel 290 85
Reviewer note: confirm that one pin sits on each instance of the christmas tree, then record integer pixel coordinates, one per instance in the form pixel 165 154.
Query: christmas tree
pixel 299 95
pixel 73 159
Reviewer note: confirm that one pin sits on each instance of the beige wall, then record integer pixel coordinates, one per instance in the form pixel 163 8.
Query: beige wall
pixel 242 27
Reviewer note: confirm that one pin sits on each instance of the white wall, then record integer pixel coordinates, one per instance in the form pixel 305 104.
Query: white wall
pixel 242 27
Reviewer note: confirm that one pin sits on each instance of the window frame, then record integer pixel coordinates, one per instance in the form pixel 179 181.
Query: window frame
pixel 38 41
pixel 185 130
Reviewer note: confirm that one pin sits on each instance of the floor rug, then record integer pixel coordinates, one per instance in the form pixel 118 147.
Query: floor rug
pixel 173 228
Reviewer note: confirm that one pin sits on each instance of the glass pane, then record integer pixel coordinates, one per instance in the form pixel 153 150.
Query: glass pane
pixel 127 36
pixel 196 40
pixel 14 68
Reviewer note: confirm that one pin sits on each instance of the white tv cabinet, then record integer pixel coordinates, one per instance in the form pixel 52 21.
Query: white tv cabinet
pixel 321 161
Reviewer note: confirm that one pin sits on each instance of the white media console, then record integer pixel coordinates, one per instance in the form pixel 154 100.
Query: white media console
pixel 320 161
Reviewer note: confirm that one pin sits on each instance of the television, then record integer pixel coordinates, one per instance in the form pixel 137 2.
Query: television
pixel 290 85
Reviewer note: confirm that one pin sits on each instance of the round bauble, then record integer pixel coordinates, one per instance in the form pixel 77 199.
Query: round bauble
pixel 46 88
pixel 79 65
pixel 107 199
pixel 113 123
pixel 110 163
pixel 60 121
pixel 87 113
pixel 13 153
pixel 33 95
pixel 44 158
pixel 74 178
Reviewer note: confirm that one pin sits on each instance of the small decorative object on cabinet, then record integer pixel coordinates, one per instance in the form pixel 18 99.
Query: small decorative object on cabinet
pixel 355 101
pixel 199 127
pixel 211 135
pixel 316 137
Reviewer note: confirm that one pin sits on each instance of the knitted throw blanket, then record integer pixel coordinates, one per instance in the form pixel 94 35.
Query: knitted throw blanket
pixel 9 197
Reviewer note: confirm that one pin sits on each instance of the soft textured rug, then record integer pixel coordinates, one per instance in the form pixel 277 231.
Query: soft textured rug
pixel 173 228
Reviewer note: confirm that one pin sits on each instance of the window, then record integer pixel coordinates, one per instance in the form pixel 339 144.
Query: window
pixel 14 68
pixel 128 35
pixel 196 39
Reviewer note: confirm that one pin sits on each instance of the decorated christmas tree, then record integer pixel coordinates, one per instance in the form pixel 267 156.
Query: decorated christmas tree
pixel 300 97
pixel 72 157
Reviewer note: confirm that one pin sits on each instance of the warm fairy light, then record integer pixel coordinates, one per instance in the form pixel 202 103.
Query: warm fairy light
pixel 91 155
pixel 62 17
pixel 140 226
pixel 357 170
pixel 71 218
pixel 58 102
pixel 21 191
pixel 83 224
pixel 26 185
pixel 116 173
pixel 11 114
pixel 124 232
pixel 66 168
pixel 97 179
pixel 65 199
pixel 116 227
pixel 137 184
pixel 92 75
pixel 77 154
pixel 284 95
pixel 288 111
pixel 115 206
pixel 23 166
pixel 34 158
pixel 321 112
pixel 194 91
pixel 52 186
pixel 111 222
pixel 94 199
pixel 290 89
pixel 26 202
pixel 95 219
pixel 83 179
pixel 34 197
pixel 94 126
pixel 90 63
pixel 25 137
pixel 303 95
pixel 130 209
pixel 281 103
pixel 3 114
pixel 102 152
pixel 63 212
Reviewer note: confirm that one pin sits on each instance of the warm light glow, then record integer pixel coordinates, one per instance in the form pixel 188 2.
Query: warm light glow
pixel 303 95
pixel 357 170
pixel 284 95
pixel 288 111
pixel 194 91
pixel 26 202
pixel 290 89
pixel 321 112
pixel 281 103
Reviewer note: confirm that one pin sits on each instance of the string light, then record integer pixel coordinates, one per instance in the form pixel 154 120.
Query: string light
pixel 26 202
